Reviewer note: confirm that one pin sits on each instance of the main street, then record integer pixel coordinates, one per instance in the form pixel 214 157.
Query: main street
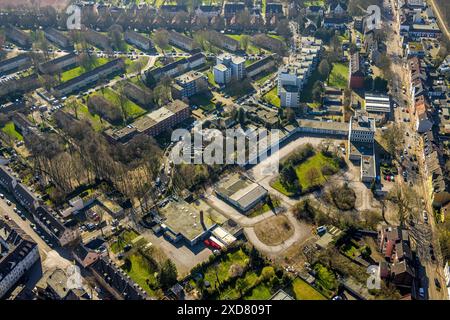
pixel 424 233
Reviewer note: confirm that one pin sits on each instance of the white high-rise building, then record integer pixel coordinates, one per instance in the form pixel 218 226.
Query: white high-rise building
pixel 229 67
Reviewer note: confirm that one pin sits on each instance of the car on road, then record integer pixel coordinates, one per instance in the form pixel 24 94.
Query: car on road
pixel 422 293
pixel 425 216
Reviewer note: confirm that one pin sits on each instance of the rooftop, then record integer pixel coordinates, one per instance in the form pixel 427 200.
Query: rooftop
pixel 241 190
pixel 185 219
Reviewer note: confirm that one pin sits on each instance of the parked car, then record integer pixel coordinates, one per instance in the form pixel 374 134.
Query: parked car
pixel 425 216
pixel 8 203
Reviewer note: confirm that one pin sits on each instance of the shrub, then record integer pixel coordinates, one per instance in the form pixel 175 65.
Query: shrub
pixel 344 197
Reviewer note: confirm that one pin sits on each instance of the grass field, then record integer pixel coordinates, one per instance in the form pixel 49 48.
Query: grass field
pixel 78 71
pixel 96 122
pixel 304 291
pixel 318 161
pixel 272 97
pixel 223 267
pixel 263 209
pixel 125 238
pixel 139 270
pixel 132 66
pixel 251 49
pixel 339 76
pixel 11 131
pixel 131 108
pixel 264 78
pixel 260 292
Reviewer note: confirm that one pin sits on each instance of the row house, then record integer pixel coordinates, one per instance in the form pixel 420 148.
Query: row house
pixel 18 254
pixel 58 38
pixel 89 77
pixel 59 64
pixel 17 63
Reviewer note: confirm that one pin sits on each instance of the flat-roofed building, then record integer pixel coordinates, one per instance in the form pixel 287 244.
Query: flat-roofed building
pixel 229 67
pixel 152 123
pixel 181 220
pixel 361 139
pixel 58 38
pixel 377 103
pixel 140 41
pixel 241 192
pixel 222 74
pixel 18 253
pixel 189 84
pixel 325 128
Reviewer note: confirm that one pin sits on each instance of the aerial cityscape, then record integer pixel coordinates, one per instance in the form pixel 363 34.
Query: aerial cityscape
pixel 225 150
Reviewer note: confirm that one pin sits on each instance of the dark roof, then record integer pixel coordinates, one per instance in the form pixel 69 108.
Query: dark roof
pixel 233 7
pixel 196 57
pixel 19 246
pixel 173 8
pixel 58 60
pixel 26 196
pixel 274 7
pixel 57 34
pixel 15 59
pixel 335 20
pixel 89 73
pixel 209 8
pixel 52 223
pixel 259 63
pixel 118 280
pixel 6 178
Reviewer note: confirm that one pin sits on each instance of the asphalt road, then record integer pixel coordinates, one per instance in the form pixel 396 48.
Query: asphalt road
pixel 424 234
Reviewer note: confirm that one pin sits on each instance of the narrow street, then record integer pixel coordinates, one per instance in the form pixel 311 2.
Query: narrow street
pixel 423 234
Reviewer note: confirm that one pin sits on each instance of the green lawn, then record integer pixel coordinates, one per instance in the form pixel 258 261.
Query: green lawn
pixel 251 49
pixel 125 238
pixel 131 108
pixel 11 131
pixel 272 97
pixel 318 161
pixel 304 291
pixel 264 78
pixel 203 101
pixel 239 257
pixel 260 292
pixel 78 71
pixel 97 123
pixel 139 270
pixel 265 208
pixel 339 76
pixel 210 76
pixel 132 65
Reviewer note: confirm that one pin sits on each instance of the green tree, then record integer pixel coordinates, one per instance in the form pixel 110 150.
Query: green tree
pixel 168 274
